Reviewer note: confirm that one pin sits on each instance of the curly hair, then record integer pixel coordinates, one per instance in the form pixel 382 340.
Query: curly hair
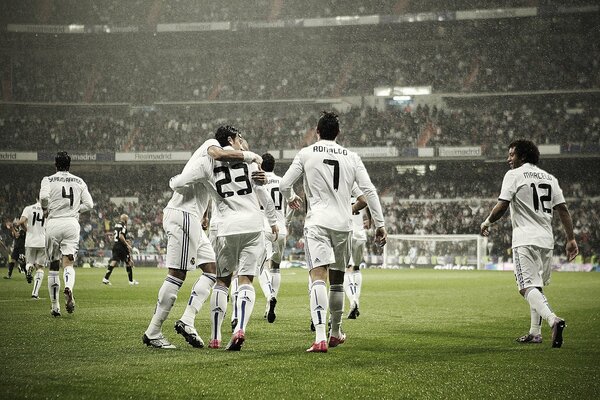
pixel 526 150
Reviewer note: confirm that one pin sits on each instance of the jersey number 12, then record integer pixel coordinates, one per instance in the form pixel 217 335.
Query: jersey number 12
pixel 541 199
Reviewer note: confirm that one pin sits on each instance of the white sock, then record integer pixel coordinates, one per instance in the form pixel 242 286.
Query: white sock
pixel 233 290
pixel 264 279
pixel 538 302
pixel 275 281
pixel 69 277
pixel 37 282
pixel 357 286
pixel 218 306
pixel 54 288
pixel 245 305
pixel 349 288
pixel 318 309
pixel 536 322
pixel 200 293
pixel 336 308
pixel 167 295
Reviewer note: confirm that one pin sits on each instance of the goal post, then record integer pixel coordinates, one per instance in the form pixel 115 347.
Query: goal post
pixel 435 251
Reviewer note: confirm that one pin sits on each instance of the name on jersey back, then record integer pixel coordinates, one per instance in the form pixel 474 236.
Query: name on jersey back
pixel 331 150
pixel 537 175
pixel 64 179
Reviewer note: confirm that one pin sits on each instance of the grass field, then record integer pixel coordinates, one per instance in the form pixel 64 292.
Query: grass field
pixel 420 335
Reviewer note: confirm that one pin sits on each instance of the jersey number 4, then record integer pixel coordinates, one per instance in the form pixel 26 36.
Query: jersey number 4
pixel 543 198
pixel 69 196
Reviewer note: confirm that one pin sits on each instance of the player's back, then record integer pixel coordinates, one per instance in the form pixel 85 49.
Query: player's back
pixel 272 188
pixel 532 193
pixel 65 193
pixel 36 233
pixel 195 200
pixel 329 173
pixel 236 202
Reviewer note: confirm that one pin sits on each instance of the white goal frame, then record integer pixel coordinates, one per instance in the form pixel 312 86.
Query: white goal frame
pixel 481 241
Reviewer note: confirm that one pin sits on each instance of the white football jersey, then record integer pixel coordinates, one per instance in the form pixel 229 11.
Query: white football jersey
pixel 330 171
pixel 67 195
pixel 272 188
pixel 532 193
pixel 237 199
pixel 36 233
pixel 191 190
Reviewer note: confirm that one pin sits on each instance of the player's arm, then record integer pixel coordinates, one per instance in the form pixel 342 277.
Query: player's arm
pixel 220 154
pixel 364 183
pixel 269 207
pixel 567 223
pixel 361 202
pixel 496 213
pixel 87 203
pixel 286 185
pixel 22 222
pixel 45 195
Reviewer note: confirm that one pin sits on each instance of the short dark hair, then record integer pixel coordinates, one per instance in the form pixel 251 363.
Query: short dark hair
pixel 328 126
pixel 62 161
pixel 526 150
pixel 224 132
pixel 268 163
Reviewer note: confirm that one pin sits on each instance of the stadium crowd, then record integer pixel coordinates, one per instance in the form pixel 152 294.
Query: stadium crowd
pixel 143 12
pixel 449 64
pixel 573 124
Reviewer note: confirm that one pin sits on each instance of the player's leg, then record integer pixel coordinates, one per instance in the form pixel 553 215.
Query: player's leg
pixel 251 252
pixel 69 245
pixel 349 286
pixel 529 267
pixel 53 255
pixel 200 292
pixel 37 281
pixel 264 280
pixel 278 248
pixel 111 265
pixel 129 269
pixel 342 249
pixel 319 254
pixel 218 308
pixel 183 231
pixel 233 290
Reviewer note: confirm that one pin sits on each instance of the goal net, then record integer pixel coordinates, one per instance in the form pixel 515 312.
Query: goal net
pixel 435 251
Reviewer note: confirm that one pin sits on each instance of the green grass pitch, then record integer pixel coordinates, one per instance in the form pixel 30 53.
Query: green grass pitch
pixel 421 335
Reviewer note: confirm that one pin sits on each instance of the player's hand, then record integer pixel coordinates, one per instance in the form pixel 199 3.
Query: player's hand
pixel 45 212
pixel 572 249
pixel 275 232
pixel 205 223
pixel 295 203
pixel 259 177
pixel 380 236
pixel 484 229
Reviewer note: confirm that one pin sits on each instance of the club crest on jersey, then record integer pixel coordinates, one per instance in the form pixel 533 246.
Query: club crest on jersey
pixel 193 261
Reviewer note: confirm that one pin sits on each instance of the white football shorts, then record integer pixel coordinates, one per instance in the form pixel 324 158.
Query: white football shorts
pixel 323 246
pixel 187 244
pixel 243 253
pixel 275 248
pixel 532 266
pixel 358 247
pixel 35 255
pixel 62 238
